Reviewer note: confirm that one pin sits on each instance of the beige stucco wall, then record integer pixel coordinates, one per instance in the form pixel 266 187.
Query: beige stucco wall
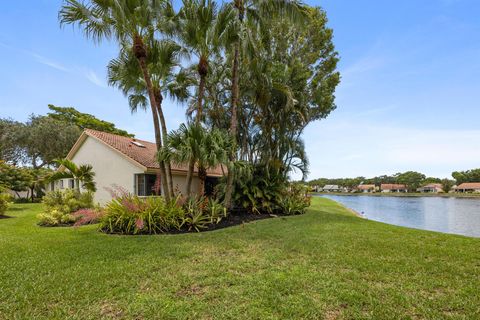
pixel 110 167
pixel 179 183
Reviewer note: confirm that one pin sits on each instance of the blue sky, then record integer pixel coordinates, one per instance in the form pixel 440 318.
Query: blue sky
pixel 409 97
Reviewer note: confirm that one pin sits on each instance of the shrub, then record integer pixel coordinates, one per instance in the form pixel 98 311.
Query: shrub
pixel 200 212
pixel 87 216
pixel 130 214
pixel 294 200
pixel 4 202
pixel 60 206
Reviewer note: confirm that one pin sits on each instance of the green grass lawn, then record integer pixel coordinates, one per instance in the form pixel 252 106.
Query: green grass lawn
pixel 325 264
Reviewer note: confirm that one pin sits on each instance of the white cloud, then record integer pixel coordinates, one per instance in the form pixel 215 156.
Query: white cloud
pixel 50 63
pixel 93 78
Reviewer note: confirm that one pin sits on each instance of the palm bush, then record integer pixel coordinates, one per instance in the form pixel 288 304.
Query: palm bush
pixel 294 200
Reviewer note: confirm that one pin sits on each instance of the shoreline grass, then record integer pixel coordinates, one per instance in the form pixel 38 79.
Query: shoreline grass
pixel 325 264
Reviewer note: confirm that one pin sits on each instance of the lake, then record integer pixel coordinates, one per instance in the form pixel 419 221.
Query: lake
pixel 449 215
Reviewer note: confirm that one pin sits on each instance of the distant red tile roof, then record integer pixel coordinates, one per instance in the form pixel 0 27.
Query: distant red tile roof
pixel 141 151
pixel 392 186
pixel 433 185
pixel 469 185
pixel 366 186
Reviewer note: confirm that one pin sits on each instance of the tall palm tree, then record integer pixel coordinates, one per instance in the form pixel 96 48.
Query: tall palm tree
pixel 254 11
pixel 83 175
pixel 202 28
pixel 132 24
pixel 168 79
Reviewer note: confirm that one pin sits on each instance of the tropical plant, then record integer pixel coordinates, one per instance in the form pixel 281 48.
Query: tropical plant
pixel 4 201
pixel 195 145
pixel 133 25
pixel 130 214
pixel 294 200
pixel 201 212
pixel 60 206
pixel 83 175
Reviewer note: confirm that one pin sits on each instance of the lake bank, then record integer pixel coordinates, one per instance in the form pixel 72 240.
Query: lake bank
pixel 400 194
pixel 324 264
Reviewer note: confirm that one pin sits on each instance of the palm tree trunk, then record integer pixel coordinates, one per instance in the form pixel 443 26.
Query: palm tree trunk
pixel 233 125
pixel 141 54
pixel 202 71
pixel 168 168
pixel 191 167
pixel 202 176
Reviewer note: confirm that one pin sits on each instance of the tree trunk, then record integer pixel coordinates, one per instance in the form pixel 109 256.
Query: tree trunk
pixel 191 167
pixel 168 168
pixel 141 54
pixel 233 125
pixel 202 177
pixel 202 72
pixel 77 185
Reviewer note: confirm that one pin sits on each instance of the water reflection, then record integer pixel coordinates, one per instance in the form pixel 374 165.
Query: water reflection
pixel 450 215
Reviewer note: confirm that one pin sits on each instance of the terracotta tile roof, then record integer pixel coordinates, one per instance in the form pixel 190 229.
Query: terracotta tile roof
pixel 392 186
pixel 469 185
pixel 366 186
pixel 433 185
pixel 141 151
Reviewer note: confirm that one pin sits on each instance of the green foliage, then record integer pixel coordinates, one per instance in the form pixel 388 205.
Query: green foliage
pixel 411 179
pixel 258 190
pixel 84 120
pixel 14 178
pixel 200 212
pixel 81 174
pixel 472 175
pixel 295 200
pixel 130 214
pixel 60 206
pixel 5 200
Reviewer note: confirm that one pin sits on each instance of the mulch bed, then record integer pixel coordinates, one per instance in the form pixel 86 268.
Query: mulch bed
pixel 5 217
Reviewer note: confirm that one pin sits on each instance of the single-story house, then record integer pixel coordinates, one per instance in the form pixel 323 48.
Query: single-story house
pixel 366 188
pixel 468 187
pixel 393 187
pixel 128 163
pixel 431 188
pixel 331 188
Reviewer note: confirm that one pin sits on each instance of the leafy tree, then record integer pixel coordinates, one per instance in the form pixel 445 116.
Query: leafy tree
pixel 83 174
pixel 14 178
pixel 411 179
pixel 447 184
pixel 472 175
pixel 9 132
pixel 84 120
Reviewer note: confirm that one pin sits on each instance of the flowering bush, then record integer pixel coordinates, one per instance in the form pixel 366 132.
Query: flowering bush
pixel 294 200
pixel 61 205
pixel 130 214
pixel 87 216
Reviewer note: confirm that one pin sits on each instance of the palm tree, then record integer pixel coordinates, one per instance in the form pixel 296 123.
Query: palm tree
pixel 83 175
pixel 202 28
pixel 167 79
pixel 254 11
pixel 195 145
pixel 132 24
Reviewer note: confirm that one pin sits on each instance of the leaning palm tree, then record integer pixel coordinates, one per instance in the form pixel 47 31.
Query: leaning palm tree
pixel 83 175
pixel 168 79
pixel 132 24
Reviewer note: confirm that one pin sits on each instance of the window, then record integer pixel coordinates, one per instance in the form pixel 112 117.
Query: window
pixel 146 185
pixel 60 184
pixel 71 183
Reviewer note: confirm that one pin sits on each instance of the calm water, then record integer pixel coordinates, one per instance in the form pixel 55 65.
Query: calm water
pixel 450 215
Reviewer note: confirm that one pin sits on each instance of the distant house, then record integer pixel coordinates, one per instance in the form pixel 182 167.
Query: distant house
pixel 431 188
pixel 366 188
pixel 331 188
pixel 468 187
pixel 393 187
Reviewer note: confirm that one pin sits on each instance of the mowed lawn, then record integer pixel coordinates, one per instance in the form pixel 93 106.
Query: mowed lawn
pixel 326 264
